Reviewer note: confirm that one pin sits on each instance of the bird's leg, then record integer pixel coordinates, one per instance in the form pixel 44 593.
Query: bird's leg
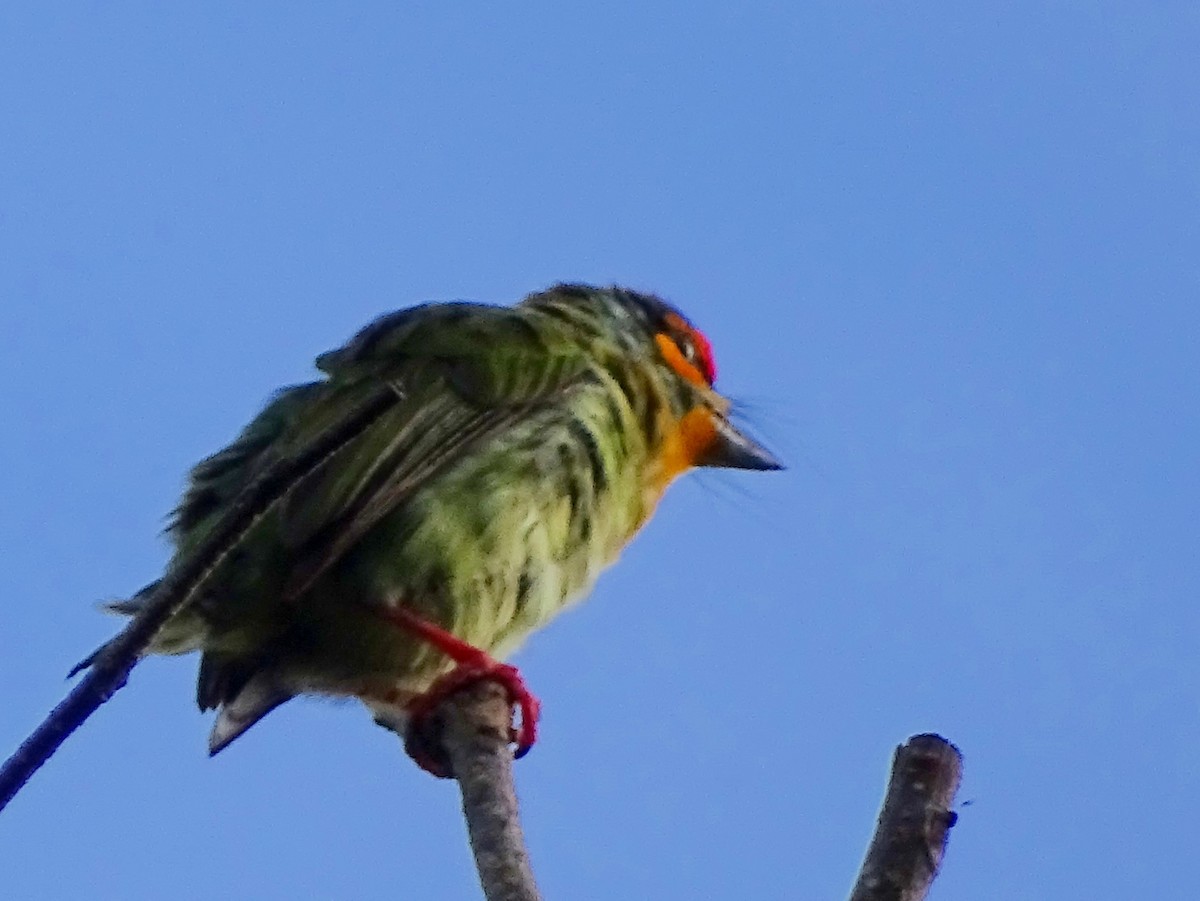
pixel 471 665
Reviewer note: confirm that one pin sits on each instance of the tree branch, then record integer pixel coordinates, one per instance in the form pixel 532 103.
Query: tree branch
pixel 469 736
pixel 914 824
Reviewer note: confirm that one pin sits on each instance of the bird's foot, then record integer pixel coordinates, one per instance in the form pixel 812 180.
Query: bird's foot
pixel 473 666
pixel 422 711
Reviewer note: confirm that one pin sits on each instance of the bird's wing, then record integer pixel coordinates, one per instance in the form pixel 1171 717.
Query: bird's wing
pixel 402 401
pixel 461 375
pixel 216 480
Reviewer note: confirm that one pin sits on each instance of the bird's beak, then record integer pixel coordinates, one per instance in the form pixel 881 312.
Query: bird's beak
pixel 733 449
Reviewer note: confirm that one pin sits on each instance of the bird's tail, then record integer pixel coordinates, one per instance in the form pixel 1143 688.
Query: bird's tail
pixel 183 633
pixel 243 690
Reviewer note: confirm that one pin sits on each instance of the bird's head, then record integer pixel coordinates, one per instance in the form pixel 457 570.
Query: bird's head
pixel 647 327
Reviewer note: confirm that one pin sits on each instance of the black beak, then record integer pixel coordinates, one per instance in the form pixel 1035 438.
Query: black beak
pixel 735 450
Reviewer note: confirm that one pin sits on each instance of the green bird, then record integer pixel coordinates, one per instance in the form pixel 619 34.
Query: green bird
pixel 513 454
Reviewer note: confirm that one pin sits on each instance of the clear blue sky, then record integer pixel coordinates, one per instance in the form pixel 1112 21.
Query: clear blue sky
pixel 947 258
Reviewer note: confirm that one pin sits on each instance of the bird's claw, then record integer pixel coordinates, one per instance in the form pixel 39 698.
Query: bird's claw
pixel 426 750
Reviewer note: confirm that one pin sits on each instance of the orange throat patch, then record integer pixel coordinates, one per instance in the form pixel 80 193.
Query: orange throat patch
pixel 685 446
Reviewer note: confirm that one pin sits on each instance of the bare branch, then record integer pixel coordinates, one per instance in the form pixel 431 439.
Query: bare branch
pixel 914 824
pixel 469 735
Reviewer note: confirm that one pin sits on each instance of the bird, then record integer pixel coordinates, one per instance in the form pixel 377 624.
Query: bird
pixel 510 454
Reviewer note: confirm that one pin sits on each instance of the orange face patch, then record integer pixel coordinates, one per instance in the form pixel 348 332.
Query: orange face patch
pixel 700 346
pixel 675 359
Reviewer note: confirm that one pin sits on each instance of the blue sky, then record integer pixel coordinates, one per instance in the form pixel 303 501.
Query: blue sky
pixel 947 257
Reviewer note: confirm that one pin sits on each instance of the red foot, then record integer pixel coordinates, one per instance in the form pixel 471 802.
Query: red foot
pixel 463 675
pixel 474 665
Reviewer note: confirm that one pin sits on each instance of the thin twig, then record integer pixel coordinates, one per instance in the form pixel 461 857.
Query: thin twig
pixel 475 733
pixel 914 824
pixel 111 665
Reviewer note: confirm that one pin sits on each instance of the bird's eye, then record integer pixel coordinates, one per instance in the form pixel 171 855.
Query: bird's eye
pixel 687 350
pixel 687 347
pixel 696 350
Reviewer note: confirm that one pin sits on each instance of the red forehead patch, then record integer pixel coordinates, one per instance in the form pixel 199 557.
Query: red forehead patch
pixel 704 353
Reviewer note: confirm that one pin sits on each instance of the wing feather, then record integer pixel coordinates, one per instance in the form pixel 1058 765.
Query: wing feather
pixel 458 375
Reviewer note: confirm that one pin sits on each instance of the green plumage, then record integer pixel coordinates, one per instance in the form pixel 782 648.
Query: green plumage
pixel 507 468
